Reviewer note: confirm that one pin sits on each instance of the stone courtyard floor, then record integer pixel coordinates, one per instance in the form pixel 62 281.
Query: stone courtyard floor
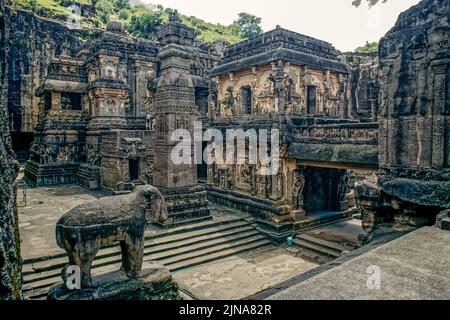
pixel 43 208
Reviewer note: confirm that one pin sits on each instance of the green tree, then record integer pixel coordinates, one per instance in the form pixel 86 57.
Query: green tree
pixel 145 24
pixel 250 25
pixel 104 10
pixel 121 4
pixel 32 5
pixel 124 14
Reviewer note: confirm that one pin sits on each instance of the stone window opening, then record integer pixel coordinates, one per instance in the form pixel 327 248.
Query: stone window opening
pixel 246 99
pixel 70 101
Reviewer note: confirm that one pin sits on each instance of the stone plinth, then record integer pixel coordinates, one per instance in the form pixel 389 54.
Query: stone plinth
pixel 185 206
pixel 155 283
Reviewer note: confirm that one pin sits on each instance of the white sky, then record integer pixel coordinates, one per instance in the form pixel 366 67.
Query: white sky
pixel 335 21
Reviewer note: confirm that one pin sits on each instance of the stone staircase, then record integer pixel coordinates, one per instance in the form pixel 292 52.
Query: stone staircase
pixel 177 249
pixel 324 249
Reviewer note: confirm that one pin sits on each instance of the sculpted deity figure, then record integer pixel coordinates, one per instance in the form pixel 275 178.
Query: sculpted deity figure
pixel 228 103
pixel 297 191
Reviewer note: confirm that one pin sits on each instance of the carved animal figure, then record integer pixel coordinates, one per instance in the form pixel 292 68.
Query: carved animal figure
pixel 83 230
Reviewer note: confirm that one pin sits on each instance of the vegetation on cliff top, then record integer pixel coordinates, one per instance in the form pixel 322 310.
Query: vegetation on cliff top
pixel 140 19
pixel 369 47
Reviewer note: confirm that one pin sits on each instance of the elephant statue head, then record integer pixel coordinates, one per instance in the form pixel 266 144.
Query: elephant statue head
pixel 157 210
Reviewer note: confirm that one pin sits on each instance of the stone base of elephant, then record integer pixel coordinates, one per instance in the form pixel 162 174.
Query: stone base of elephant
pixel 155 283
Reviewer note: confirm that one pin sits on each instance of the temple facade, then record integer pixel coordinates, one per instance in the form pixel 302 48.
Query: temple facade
pixel 108 108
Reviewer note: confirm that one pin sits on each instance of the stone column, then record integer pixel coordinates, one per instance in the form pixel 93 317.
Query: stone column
pixel 174 104
pixel 439 68
pixel 175 109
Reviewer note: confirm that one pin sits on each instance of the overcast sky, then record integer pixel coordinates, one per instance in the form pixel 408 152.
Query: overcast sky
pixel 335 21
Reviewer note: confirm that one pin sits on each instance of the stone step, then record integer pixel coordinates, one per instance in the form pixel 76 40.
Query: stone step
pixel 177 249
pixel 196 229
pixel 186 241
pixel 182 233
pixel 219 255
pixel 313 221
pixel 183 221
pixel 189 251
pixel 38 289
pixel 150 246
pixel 445 224
pixel 166 246
pixel 326 244
pixel 316 248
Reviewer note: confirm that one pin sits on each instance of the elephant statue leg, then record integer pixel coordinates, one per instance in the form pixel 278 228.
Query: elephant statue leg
pixel 125 259
pixel 87 257
pixel 134 256
pixel 74 260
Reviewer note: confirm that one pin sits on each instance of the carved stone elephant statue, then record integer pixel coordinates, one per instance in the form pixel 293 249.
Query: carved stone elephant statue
pixel 83 230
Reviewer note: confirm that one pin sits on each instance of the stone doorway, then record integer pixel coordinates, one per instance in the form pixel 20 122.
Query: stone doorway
pixel 246 94
pixel 202 169
pixel 311 99
pixel 321 189
pixel 133 167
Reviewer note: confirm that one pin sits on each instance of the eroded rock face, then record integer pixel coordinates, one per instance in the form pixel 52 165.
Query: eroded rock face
pixel 10 264
pixel 414 132
pixel 365 85
pixel 33 42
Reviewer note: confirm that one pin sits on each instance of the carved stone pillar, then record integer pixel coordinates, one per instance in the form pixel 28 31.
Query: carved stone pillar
pixel 439 148
pixel 342 190
pixel 175 109
pixel 298 183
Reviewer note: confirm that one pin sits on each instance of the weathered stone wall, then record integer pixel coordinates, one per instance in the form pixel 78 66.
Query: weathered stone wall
pixel 414 79
pixel 10 263
pixel 365 87
pixel 33 42
pixel 413 183
pixel 329 86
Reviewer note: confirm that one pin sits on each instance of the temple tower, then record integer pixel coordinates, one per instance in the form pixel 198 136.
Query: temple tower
pixel 175 109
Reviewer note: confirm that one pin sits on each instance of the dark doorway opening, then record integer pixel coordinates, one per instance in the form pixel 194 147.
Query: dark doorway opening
pixel 321 189
pixel 201 100
pixel 21 143
pixel 311 99
pixel 133 166
pixel 202 169
pixel 246 96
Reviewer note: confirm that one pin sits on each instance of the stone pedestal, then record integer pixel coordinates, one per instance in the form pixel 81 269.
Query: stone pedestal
pixel 50 174
pixel 186 206
pixel 155 283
